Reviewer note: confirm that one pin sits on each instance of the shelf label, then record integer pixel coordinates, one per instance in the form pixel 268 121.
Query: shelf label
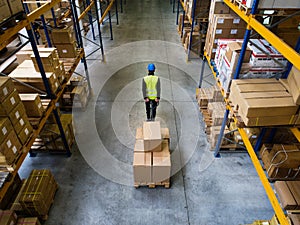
pixel 5 91
pixel 39 105
pixel 22 122
pixel 65 51
pixel 8 143
pixel 234 31
pixel 220 20
pixel 236 21
pixel 4 130
pixel 17 114
pixel 219 31
pixel 26 131
pixel 12 100
pixel 14 150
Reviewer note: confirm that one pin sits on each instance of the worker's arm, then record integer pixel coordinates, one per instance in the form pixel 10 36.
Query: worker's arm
pixel 158 88
pixel 144 89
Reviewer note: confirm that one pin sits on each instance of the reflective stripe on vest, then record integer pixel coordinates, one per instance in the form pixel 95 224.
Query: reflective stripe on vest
pixel 151 82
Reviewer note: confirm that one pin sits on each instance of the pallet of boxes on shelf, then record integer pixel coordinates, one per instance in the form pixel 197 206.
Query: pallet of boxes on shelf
pixel 14 124
pixel 76 94
pixel 152 157
pixel 49 140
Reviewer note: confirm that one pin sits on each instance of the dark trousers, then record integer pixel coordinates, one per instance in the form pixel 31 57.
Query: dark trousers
pixel 151 111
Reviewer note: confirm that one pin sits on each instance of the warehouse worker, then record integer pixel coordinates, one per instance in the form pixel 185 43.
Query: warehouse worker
pixel 151 92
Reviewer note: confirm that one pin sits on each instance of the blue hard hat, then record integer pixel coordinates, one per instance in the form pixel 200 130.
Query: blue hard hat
pixel 151 67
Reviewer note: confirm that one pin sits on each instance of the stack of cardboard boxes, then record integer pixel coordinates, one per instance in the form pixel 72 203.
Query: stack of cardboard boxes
pixel 223 23
pixel 281 161
pixel 10 8
pixel 288 193
pixel 49 138
pixel 8 217
pixel 15 128
pixel 76 94
pixel 38 193
pixel 28 71
pixel 152 158
pixel 263 102
pixel 64 41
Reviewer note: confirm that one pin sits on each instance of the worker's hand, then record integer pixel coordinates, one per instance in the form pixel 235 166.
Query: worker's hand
pixel 157 99
pixel 146 99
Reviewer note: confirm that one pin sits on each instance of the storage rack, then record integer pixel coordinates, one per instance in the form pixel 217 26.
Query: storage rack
pixel 293 57
pixel 9 33
pixel 192 21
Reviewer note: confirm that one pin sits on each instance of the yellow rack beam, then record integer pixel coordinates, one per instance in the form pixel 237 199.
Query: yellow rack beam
pixel 296 132
pixel 86 10
pixel 106 11
pixel 288 52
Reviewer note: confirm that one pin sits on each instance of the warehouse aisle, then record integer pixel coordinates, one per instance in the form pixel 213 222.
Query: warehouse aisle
pixel 95 184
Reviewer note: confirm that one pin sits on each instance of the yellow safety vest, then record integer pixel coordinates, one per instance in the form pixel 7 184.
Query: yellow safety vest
pixel 151 82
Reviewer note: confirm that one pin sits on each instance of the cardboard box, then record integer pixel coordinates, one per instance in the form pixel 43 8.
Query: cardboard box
pixel 16 205
pixel 33 78
pixel 294 187
pixel 20 123
pixel 142 167
pixel 161 165
pixel 10 147
pixel 5 11
pixel 165 133
pixel 268 120
pixel 233 50
pixel 15 6
pixel 294 84
pixel 32 104
pixel 286 198
pixel 25 133
pixel 9 103
pixel 259 58
pixel 28 221
pixel 67 50
pixel 139 145
pixel 11 193
pixel 38 193
pixel 63 36
pixel 295 218
pixel 5 128
pixel 8 217
pixel 48 60
pixel 17 112
pixel 6 87
pixel 152 136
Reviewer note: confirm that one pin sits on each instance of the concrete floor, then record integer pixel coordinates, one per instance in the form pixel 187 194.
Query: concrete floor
pixel 96 181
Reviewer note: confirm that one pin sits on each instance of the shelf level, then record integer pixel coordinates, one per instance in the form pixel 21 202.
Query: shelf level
pixel 288 52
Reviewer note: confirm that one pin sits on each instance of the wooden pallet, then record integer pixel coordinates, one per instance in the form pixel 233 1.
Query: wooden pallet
pixel 166 184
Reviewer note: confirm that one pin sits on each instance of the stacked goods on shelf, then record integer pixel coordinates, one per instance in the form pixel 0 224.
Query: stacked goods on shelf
pixel 76 93
pixel 15 6
pixel 263 102
pixel 14 124
pixel 288 30
pixel 227 59
pixel 31 5
pixel 294 218
pixel 272 4
pixel 33 107
pixel 8 217
pixel 288 193
pixel 151 157
pixel 38 193
pixel 293 81
pixel 281 161
pixel 64 41
pixel 49 138
pixel 222 24
pixel 11 192
pixel 180 23
pixel 28 221
pixel 201 8
pixel 5 11
pixel 259 60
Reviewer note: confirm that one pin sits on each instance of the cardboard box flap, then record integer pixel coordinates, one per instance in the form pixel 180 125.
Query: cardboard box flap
pixel 139 146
